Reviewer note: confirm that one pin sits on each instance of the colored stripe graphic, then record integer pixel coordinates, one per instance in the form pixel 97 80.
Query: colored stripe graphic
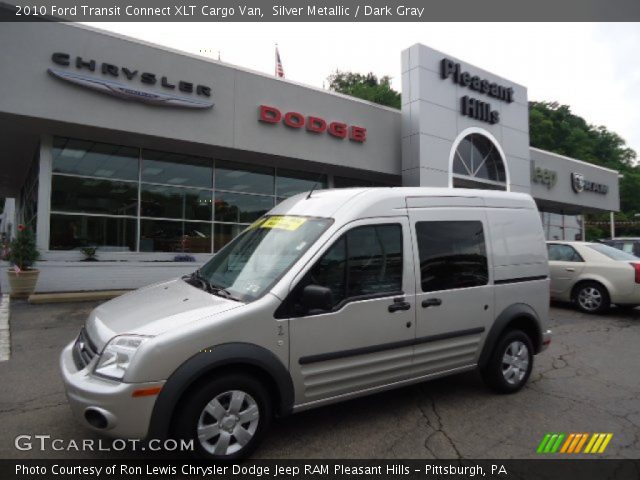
pixel 568 442
pixel 573 443
pixel 606 441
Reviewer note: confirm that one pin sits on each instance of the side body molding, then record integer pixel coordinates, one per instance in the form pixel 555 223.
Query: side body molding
pixel 519 314
pixel 228 354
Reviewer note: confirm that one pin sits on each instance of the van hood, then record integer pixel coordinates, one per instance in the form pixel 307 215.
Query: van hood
pixel 153 310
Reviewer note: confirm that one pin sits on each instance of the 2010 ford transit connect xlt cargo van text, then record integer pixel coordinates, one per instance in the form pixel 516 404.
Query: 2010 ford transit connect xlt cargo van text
pixel 329 296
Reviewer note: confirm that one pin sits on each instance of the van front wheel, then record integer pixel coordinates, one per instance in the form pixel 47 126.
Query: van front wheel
pixel 226 418
pixel 510 364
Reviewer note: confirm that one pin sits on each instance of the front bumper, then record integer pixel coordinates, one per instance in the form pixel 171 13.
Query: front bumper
pixel 104 405
pixel 546 340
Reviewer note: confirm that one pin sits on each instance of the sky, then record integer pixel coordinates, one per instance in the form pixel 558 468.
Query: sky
pixel 592 67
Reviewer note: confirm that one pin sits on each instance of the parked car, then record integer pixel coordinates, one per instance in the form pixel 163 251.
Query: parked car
pixel 626 244
pixel 332 295
pixel 593 275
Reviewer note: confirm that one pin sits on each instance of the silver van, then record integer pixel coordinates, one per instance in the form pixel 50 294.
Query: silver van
pixel 332 295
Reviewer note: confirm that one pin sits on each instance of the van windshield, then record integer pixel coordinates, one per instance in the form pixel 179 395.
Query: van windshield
pixel 252 262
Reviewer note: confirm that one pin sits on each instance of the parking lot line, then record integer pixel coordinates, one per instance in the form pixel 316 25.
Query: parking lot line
pixel 5 338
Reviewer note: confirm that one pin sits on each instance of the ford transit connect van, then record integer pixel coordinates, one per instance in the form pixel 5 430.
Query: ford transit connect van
pixel 332 295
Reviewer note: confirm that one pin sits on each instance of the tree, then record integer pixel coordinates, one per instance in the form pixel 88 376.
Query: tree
pixel 367 87
pixel 555 128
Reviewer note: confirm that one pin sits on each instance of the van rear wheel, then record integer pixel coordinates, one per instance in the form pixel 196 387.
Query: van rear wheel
pixel 510 364
pixel 226 418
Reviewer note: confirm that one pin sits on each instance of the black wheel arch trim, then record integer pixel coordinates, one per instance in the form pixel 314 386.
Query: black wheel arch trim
pixel 502 322
pixel 209 359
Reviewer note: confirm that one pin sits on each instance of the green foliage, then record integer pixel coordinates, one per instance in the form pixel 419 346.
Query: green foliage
pixel 555 128
pixel 367 87
pixel 22 250
pixel 89 253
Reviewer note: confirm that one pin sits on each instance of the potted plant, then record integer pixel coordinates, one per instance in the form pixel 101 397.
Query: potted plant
pixel 22 254
pixel 90 254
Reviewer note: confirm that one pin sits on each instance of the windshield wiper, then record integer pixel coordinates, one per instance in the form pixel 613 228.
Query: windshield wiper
pixel 197 280
pixel 222 292
pixel 209 287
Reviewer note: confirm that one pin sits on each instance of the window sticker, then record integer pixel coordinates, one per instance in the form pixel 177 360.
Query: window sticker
pixel 283 222
pixel 256 224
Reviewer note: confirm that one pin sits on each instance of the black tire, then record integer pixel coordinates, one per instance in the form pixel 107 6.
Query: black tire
pixel 493 373
pixel 191 413
pixel 600 298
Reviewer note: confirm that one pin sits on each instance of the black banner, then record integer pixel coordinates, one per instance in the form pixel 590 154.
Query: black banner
pixel 318 10
pixel 549 469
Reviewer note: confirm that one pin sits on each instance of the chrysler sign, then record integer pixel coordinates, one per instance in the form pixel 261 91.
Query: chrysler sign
pixel 110 83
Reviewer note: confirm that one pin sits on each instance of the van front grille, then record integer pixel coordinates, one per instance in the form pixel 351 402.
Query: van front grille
pixel 84 350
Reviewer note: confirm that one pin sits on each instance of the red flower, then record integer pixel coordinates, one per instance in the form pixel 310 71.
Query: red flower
pixel 21 227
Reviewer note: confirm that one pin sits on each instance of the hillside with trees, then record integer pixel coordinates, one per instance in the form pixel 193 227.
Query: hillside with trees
pixel 553 127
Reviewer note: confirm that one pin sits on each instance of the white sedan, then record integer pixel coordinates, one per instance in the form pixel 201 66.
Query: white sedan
pixel 593 275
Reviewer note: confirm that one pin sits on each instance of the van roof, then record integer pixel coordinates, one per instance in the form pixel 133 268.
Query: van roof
pixel 386 201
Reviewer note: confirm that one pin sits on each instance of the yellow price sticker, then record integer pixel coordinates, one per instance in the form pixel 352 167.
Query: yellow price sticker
pixel 255 224
pixel 283 222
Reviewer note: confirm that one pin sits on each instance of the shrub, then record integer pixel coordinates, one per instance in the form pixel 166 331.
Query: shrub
pixel 22 251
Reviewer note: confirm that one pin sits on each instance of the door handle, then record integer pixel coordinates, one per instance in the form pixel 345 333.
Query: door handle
pixel 569 269
pixel 399 304
pixel 431 302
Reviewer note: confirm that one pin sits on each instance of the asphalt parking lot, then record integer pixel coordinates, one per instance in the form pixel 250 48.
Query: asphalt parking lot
pixel 587 381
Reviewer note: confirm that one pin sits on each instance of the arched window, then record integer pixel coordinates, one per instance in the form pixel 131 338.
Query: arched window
pixel 477 163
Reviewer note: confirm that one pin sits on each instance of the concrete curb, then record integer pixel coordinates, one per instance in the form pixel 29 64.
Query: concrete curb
pixel 5 334
pixel 63 297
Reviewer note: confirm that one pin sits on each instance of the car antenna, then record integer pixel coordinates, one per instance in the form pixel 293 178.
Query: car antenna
pixel 315 185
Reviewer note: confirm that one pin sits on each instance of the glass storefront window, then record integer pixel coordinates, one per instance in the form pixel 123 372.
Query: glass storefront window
pixel 175 169
pixel 109 234
pixel 93 159
pixel 170 236
pixel 561 227
pixel 239 208
pixel 178 200
pixel 289 183
pixel 173 202
pixel 223 233
pixel 344 182
pixel 93 195
pixel 242 178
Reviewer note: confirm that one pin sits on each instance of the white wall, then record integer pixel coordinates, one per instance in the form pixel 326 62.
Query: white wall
pixel 56 276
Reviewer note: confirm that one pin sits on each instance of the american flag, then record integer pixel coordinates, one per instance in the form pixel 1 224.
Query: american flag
pixel 279 69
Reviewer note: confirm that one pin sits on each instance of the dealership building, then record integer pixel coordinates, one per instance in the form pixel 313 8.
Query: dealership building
pixel 158 157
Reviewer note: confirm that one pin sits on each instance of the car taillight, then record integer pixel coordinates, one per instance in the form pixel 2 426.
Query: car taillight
pixel 636 267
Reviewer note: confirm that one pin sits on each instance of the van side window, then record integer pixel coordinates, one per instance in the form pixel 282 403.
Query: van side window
pixel 452 255
pixel 563 253
pixel 365 261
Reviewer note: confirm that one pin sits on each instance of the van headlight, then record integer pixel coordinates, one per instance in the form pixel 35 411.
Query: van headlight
pixel 117 355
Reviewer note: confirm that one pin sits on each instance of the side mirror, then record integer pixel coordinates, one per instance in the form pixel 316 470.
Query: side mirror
pixel 316 297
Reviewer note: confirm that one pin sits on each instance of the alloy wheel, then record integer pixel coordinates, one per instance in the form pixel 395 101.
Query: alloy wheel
pixel 228 422
pixel 590 299
pixel 515 362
